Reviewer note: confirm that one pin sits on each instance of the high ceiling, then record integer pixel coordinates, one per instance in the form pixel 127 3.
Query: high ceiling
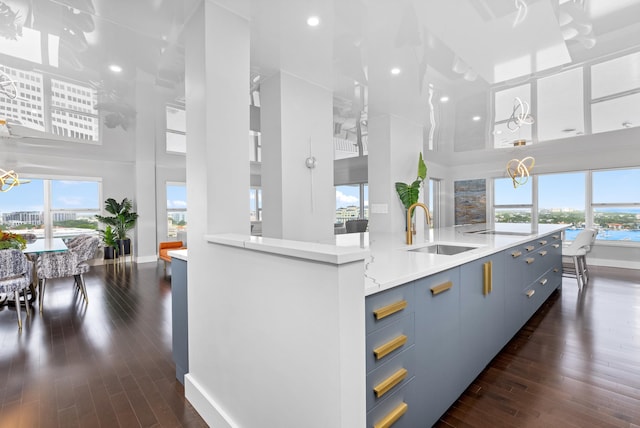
pixel 457 48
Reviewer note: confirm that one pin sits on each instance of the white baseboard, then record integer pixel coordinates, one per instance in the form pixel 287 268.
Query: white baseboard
pixel 146 259
pixel 210 411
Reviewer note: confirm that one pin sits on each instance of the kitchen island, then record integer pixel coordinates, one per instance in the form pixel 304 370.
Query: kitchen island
pixel 372 330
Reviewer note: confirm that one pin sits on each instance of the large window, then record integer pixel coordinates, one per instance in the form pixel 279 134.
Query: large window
pixel 176 209
pixel 560 105
pixel 505 131
pixel 561 200
pixel 176 134
pixel 352 202
pixel 512 205
pixel 59 208
pixel 616 204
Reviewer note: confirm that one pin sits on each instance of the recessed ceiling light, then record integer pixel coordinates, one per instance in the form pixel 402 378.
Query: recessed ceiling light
pixel 313 21
pixel 395 71
pixel 475 118
pixel 115 68
pixel 444 99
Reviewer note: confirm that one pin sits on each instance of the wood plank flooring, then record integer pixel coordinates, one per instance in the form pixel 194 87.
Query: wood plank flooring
pixel 108 364
pixel 105 364
pixel 576 363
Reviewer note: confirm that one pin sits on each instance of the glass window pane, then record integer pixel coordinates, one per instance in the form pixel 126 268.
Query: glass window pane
pixel 514 215
pixel 561 199
pixel 75 116
pixel 560 105
pixel 504 101
pixel 506 194
pixel 69 224
pixel 617 223
pixel 616 186
pixel 176 196
pixel 615 76
pixel 70 195
pixel 617 113
pixel 177 211
pixel 22 208
pixel 176 119
pixel 176 143
pixel 347 203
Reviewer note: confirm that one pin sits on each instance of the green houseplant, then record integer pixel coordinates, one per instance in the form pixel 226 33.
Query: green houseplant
pixel 12 240
pixel 110 242
pixel 409 193
pixel 121 220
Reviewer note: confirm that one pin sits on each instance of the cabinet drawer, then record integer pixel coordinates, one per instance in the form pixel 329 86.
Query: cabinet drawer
pixel 396 411
pixel 390 377
pixel 386 307
pixel 532 297
pixel 385 343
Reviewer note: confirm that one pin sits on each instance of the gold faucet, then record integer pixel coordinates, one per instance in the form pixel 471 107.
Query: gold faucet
pixel 409 211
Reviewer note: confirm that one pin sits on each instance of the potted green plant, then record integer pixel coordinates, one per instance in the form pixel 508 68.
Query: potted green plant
pixel 409 193
pixel 122 220
pixel 12 240
pixel 110 242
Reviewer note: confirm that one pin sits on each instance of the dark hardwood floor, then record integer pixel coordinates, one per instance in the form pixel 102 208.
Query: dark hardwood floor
pixel 105 364
pixel 575 364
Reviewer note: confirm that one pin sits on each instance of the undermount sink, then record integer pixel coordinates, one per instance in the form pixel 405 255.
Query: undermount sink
pixel 444 249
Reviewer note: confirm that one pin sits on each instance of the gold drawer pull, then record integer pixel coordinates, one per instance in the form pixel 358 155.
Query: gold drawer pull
pixel 437 289
pixel 555 236
pixel 556 270
pixel 516 254
pixel 530 293
pixel 543 242
pixel 530 260
pixel 387 384
pixel 556 245
pixel 391 309
pixel 530 248
pixel 543 281
pixel 390 346
pixel 543 253
pixel 393 416
pixel 487 270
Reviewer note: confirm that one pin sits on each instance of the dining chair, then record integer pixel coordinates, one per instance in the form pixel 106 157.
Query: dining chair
pixel 354 226
pixel 66 264
pixel 15 277
pixel 577 251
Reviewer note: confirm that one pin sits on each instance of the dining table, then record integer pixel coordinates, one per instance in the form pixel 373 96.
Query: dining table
pixel 33 249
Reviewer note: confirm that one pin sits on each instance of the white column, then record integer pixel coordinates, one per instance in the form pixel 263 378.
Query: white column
pixel 296 121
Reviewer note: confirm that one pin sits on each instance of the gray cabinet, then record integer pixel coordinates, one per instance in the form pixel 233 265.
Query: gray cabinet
pixel 179 322
pixel 482 315
pixel 429 339
pixel 439 380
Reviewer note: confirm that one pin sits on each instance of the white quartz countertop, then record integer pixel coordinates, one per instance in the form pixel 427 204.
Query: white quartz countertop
pixel 391 264
pixel 178 254
pixel 388 261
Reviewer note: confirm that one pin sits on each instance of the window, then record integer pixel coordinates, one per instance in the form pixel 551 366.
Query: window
pixel 58 208
pixel 176 209
pixel 255 203
pixel 616 204
pixel 559 111
pixel 504 133
pixel 176 133
pixel 561 200
pixel 352 202
pixel 512 205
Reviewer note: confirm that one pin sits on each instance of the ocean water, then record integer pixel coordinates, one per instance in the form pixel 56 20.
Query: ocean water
pixel 607 235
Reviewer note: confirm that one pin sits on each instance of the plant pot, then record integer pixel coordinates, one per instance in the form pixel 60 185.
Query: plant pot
pixel 109 253
pixel 124 245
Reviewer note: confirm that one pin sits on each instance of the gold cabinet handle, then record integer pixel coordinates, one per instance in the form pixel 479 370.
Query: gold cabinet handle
pixel 543 281
pixel 555 236
pixel 530 293
pixel 516 254
pixel 487 285
pixel 530 260
pixel 392 416
pixel 543 242
pixel 556 270
pixel 437 289
pixel 391 309
pixel 387 384
pixel 530 248
pixel 390 346
pixel 556 245
pixel 543 253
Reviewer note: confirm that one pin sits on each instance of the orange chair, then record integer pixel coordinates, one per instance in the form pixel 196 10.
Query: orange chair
pixel 165 247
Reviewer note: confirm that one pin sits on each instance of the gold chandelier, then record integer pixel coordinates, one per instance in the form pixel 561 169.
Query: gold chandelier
pixel 9 179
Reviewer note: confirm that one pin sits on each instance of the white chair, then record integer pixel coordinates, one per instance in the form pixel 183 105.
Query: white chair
pixel 577 251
